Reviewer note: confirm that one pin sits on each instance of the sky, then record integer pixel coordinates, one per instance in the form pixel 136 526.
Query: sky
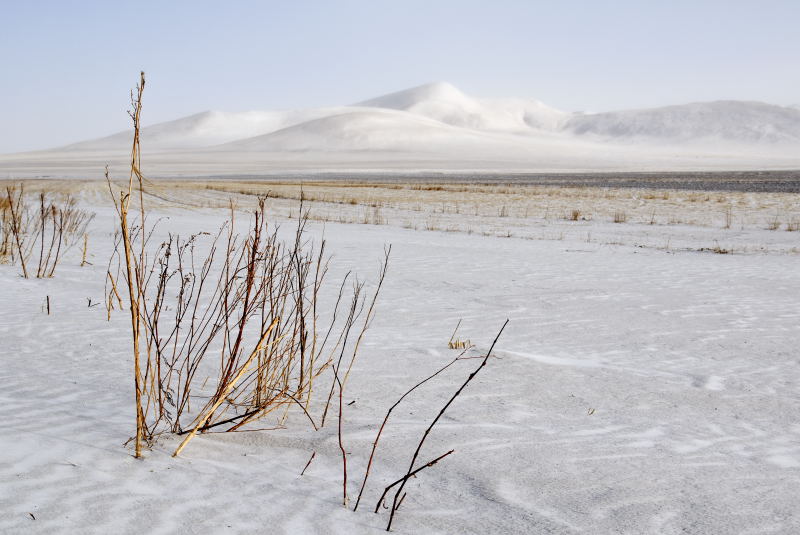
pixel 68 66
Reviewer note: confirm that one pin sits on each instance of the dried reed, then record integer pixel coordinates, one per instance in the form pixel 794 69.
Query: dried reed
pixel 187 306
pixel 54 226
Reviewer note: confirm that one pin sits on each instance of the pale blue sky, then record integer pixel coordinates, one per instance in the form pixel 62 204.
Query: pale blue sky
pixel 67 66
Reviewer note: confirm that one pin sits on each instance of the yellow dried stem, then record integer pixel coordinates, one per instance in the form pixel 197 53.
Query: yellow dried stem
pixel 221 397
pixel 115 291
pixel 134 287
pixel 85 247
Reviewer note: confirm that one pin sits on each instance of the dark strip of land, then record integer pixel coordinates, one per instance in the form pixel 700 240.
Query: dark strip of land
pixel 747 181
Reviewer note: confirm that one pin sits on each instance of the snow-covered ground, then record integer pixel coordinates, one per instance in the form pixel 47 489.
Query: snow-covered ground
pixel 637 390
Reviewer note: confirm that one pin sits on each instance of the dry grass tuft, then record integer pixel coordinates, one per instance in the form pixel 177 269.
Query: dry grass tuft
pixel 39 229
pixel 455 342
pixel 774 224
pixel 373 216
pixel 718 249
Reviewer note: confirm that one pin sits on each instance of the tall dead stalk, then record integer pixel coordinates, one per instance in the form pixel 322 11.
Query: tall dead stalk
pixel 134 261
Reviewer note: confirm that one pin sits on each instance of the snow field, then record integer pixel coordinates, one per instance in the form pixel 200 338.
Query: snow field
pixel 636 390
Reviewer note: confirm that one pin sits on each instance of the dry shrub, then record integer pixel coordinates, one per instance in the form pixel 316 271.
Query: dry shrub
pixel 620 217
pixel 455 342
pixel 227 337
pixel 774 224
pixel 42 230
pixel 373 216
pixel 6 234
pixel 718 249
pixel 200 314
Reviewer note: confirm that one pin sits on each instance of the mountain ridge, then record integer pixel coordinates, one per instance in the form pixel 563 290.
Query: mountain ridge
pixel 437 126
pixel 714 122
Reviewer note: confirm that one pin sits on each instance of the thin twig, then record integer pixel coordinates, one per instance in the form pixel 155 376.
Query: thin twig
pixel 433 423
pixel 409 475
pixel 386 419
pixel 313 454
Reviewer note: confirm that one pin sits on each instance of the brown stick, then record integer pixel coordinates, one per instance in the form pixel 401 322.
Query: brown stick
pixel 114 288
pixel 252 414
pixel 43 218
pixel 341 445
pixel 134 291
pixel 85 245
pixel 313 454
pixel 449 342
pixel 221 396
pixel 386 419
pixel 412 474
pixel 60 231
pixel 135 323
pixel 433 423
pixel 15 230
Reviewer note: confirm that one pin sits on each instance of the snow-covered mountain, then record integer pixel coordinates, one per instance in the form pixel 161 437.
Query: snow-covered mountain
pixel 720 121
pixel 360 129
pixel 206 129
pixel 443 102
pixel 438 126
pixel 428 115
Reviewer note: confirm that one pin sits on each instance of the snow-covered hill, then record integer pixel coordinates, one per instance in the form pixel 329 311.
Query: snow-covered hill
pixel 720 121
pixel 439 123
pixel 357 130
pixel 426 115
pixel 206 129
pixel 443 102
